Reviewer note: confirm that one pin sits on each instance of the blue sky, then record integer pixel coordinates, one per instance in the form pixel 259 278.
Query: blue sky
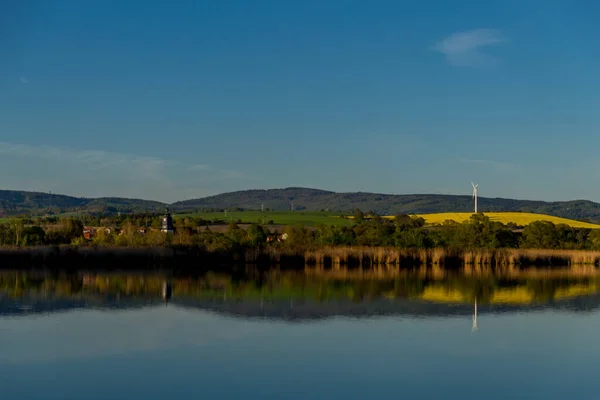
pixel 175 100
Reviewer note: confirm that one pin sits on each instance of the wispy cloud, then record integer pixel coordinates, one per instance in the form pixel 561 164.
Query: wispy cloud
pixel 199 167
pixel 105 173
pixel 23 80
pixel 464 48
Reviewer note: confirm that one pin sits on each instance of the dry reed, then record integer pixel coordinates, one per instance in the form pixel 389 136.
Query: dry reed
pixel 471 261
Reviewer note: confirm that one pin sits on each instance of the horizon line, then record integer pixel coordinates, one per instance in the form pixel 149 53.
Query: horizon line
pixel 288 188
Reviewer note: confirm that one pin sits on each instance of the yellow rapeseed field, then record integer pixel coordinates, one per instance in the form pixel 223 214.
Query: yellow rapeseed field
pixel 519 218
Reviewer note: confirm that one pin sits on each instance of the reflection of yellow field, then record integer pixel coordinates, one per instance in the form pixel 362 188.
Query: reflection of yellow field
pixel 575 290
pixel 518 218
pixel 518 295
pixel 440 294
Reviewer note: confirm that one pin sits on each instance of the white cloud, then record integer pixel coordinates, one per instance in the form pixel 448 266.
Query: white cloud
pixel 93 173
pixel 463 48
pixel 23 80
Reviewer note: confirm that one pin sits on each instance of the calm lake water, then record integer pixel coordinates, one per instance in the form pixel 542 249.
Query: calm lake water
pixel 295 336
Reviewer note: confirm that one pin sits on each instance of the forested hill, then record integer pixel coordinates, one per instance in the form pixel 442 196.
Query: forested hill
pixel 21 202
pixel 16 202
pixel 385 204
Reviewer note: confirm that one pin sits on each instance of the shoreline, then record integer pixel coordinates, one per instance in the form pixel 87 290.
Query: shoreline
pixel 355 257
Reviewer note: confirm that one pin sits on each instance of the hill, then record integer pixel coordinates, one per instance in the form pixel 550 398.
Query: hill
pixel 385 204
pixel 15 202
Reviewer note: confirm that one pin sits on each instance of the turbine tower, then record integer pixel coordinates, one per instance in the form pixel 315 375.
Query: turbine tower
pixel 475 194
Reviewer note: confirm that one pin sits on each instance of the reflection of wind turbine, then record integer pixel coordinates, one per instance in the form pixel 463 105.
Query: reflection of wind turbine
pixel 475 316
pixel 167 291
pixel 475 194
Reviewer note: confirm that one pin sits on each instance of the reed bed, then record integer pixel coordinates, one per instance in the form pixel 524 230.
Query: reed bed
pixel 470 261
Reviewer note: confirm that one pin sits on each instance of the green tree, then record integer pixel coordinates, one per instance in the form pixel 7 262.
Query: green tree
pixel 375 233
pixel 479 232
pixel 129 235
pixel 70 228
pixel 103 238
pixel 406 222
pixel 7 236
pixel 236 234
pixel 593 239
pixel 256 235
pixel 359 216
pixel 17 228
pixel 540 235
pixel 298 237
pixel 33 236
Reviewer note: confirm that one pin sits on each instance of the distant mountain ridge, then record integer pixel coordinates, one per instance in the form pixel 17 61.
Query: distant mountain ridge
pixel 385 204
pixel 13 202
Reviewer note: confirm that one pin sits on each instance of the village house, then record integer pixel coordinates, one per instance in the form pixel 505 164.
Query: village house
pixel 90 231
pixel 278 238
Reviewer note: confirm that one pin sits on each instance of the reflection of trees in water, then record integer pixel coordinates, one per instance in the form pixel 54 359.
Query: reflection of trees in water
pixel 480 289
pixel 544 291
pixel 275 284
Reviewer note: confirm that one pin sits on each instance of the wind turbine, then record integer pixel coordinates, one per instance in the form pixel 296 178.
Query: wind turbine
pixel 475 194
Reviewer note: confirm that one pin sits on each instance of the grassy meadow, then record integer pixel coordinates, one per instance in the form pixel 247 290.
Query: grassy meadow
pixel 307 218
pixel 314 218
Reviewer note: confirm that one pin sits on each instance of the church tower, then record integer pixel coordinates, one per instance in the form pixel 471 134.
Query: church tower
pixel 167 223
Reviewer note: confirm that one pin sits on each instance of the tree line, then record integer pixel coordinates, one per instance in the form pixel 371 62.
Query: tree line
pixel 402 231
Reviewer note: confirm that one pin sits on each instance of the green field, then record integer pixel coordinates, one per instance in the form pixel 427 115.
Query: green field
pixel 308 218
pixel 314 218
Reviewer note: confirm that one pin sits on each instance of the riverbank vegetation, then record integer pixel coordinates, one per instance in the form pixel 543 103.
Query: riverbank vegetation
pixel 403 241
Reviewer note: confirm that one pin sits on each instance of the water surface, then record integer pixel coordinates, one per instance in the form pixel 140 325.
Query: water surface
pixel 222 336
